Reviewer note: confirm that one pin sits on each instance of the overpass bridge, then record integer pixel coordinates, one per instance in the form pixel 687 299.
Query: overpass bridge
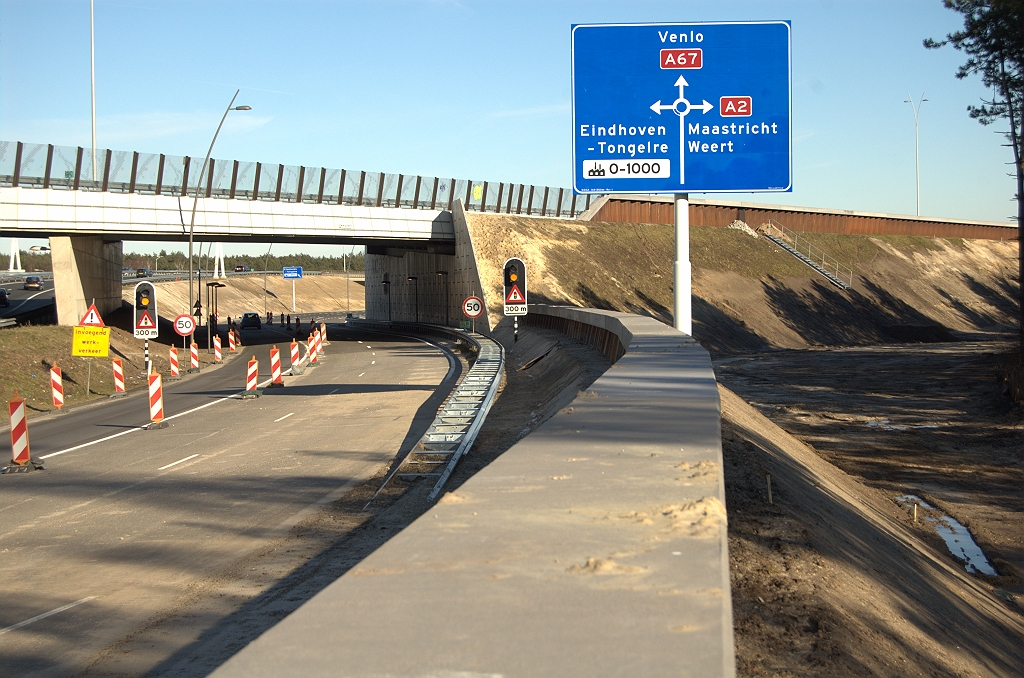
pixel 406 221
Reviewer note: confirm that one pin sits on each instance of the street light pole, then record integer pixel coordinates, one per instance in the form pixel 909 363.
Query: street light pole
pixel 92 70
pixel 917 154
pixel 199 186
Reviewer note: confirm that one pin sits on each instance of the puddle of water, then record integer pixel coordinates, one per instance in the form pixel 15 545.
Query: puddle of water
pixel 957 537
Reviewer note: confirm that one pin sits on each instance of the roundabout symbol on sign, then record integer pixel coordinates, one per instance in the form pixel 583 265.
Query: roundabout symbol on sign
pixel 473 307
pixel 184 325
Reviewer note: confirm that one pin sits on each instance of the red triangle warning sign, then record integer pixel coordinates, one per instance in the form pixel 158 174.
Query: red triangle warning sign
pixel 145 322
pixel 91 318
pixel 514 296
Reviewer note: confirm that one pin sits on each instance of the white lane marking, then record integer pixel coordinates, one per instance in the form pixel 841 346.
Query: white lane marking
pixel 361 375
pixel 373 362
pixel 359 341
pixel 101 440
pixel 373 354
pixel 284 417
pixel 180 461
pixel 334 391
pixel 28 299
pixel 45 615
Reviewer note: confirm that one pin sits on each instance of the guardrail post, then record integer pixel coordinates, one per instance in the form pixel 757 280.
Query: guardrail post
pixel 185 163
pixel 341 188
pixel 299 187
pixel 558 209
pixel 572 208
pixel 416 195
pixel 469 189
pixel 159 174
pixel 106 170
pixel 78 167
pixel 17 165
pixel 280 178
pixel 497 203
pixel 256 182
pixel 433 196
pixel 483 198
pixel 49 165
pixel 209 179
pixel 398 193
pixel 234 180
pixel 519 203
pixel 320 193
pixel 529 205
pixel 135 169
pixel 362 183
pixel 380 190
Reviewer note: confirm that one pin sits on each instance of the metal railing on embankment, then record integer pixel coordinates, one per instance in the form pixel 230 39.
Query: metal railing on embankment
pixel 799 246
pixel 458 422
pixel 71 168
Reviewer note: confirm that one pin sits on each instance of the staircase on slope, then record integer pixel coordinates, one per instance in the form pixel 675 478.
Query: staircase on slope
pixel 836 273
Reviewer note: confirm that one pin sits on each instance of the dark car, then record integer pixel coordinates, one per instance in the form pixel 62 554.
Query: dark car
pixel 5 300
pixel 143 273
pixel 33 282
pixel 250 321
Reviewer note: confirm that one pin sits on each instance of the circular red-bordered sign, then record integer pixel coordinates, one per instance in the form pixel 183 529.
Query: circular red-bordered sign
pixel 473 307
pixel 184 325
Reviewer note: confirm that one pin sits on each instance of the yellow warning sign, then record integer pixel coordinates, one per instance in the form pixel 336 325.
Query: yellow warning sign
pixel 90 342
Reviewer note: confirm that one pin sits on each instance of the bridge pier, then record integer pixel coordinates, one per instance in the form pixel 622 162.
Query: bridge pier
pixel 85 268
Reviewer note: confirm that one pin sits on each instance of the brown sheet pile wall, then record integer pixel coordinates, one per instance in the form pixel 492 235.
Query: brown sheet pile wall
pixel 644 212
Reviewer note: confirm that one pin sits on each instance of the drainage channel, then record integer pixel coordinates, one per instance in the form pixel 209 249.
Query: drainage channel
pixel 458 422
pixel 957 537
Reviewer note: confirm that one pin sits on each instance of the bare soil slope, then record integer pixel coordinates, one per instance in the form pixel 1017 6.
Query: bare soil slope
pixel 313 294
pixel 748 294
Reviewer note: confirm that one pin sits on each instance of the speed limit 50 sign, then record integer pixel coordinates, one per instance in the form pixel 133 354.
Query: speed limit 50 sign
pixel 184 325
pixel 473 307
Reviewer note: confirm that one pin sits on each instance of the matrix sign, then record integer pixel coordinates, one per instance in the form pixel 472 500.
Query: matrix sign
pixel 682 108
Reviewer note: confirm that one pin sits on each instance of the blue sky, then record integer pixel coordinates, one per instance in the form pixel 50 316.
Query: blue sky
pixel 481 89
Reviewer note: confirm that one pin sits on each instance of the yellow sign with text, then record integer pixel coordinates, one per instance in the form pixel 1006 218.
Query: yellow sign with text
pixel 91 342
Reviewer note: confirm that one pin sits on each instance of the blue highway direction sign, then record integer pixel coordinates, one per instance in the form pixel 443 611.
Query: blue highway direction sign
pixel 291 272
pixel 682 108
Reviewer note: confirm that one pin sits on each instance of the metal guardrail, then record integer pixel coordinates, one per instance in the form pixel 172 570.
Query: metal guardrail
pixel 458 422
pixel 815 254
pixel 71 168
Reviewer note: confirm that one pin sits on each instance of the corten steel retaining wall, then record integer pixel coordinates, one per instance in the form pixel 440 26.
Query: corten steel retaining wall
pixel 659 210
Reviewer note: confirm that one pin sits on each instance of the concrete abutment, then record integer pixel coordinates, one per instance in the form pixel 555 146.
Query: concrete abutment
pixel 85 268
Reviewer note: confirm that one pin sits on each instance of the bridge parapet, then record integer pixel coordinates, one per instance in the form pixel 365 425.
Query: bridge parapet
pixel 71 168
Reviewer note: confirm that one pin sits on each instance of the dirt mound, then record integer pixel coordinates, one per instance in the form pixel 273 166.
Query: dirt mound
pixel 313 294
pixel 750 295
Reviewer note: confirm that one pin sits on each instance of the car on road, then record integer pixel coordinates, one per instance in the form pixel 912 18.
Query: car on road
pixel 143 273
pixel 250 321
pixel 241 268
pixel 127 272
pixel 33 282
pixel 5 297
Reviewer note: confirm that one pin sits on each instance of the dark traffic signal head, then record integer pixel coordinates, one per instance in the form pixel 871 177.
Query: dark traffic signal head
pixel 513 274
pixel 144 296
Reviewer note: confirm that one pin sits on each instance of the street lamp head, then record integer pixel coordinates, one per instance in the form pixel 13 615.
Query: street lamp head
pixel 242 108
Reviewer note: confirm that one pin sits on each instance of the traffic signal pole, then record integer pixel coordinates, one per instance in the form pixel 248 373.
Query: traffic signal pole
pixel 682 319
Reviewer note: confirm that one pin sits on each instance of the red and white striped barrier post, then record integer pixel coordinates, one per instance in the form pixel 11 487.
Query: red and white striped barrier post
pixel 57 386
pixel 295 353
pixel 231 341
pixel 217 357
pixel 194 349
pixel 275 367
pixel 156 402
pixel 323 334
pixel 252 375
pixel 20 454
pixel 175 372
pixel 118 368
pixel 311 351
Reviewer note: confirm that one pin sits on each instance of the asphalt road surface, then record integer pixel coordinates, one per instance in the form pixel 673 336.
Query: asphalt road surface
pixel 26 301
pixel 124 520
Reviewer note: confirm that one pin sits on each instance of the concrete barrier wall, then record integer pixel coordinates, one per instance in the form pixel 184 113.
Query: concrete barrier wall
pixel 596 546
